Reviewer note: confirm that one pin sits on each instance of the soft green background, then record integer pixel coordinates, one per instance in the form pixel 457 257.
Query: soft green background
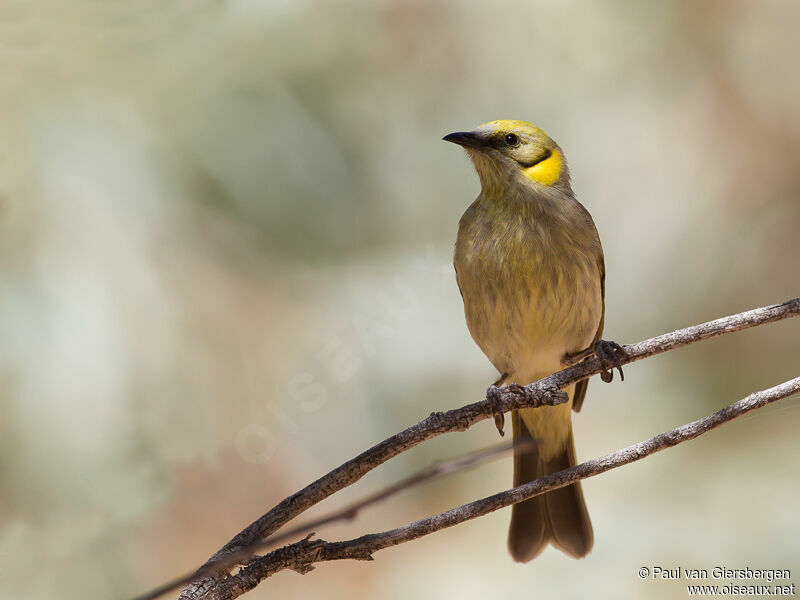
pixel 225 243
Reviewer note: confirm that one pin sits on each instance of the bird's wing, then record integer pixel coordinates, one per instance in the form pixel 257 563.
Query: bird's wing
pixel 580 387
pixel 455 268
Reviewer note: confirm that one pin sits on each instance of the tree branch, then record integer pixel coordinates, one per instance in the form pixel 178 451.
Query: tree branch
pixel 301 555
pixel 348 513
pixel 535 394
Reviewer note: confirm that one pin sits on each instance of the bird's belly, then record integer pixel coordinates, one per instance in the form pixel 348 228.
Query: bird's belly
pixel 532 293
pixel 525 325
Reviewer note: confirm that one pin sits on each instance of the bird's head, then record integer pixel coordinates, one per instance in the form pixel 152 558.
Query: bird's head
pixel 513 152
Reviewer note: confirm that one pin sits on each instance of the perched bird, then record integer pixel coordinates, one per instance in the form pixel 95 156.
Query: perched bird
pixel 530 268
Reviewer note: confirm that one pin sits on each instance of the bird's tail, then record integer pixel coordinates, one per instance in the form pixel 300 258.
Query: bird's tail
pixel 558 517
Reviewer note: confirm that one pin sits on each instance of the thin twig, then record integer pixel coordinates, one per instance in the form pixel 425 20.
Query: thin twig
pixel 349 512
pixel 438 423
pixel 301 555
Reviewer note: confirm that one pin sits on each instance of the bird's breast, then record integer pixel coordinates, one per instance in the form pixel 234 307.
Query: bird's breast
pixel 531 290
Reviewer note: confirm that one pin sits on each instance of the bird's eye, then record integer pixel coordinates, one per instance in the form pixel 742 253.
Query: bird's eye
pixel 512 139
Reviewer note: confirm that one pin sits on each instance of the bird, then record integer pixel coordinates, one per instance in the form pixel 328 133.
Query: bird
pixel 530 269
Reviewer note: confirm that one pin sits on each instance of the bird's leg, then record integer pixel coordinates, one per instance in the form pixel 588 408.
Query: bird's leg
pixel 609 353
pixel 493 396
pixel 573 358
pixel 500 380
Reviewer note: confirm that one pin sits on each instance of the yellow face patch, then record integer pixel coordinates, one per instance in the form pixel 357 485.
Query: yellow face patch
pixel 547 171
pixel 519 145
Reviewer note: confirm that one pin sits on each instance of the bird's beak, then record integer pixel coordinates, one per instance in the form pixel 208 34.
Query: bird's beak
pixel 468 139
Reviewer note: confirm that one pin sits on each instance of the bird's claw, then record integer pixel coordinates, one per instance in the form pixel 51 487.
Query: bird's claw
pixel 552 395
pixel 493 396
pixel 611 355
pixel 520 389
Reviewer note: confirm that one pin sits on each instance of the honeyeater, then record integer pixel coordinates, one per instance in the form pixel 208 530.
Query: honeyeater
pixel 529 265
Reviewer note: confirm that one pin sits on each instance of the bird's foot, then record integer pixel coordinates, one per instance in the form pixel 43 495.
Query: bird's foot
pixel 554 395
pixel 493 396
pixel 519 389
pixel 611 355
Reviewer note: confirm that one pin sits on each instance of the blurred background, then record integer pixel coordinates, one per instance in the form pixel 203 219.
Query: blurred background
pixel 226 233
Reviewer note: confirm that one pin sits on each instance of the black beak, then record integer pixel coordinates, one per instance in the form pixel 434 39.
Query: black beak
pixel 465 138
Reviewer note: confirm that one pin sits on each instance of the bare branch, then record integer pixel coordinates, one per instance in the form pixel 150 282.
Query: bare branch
pixel 301 555
pixel 349 512
pixel 535 394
